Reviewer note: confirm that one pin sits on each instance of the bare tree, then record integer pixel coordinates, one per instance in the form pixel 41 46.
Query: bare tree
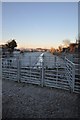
pixel 66 43
pixel 52 50
pixel 60 48
pixel 79 44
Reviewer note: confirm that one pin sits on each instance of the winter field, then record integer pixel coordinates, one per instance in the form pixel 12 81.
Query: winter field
pixel 35 59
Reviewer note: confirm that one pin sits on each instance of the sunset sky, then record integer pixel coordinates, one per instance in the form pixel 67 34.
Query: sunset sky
pixel 43 24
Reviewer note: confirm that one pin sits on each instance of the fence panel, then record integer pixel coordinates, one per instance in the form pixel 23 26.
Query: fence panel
pixel 9 69
pixel 54 73
pixel 70 73
pixel 77 79
pixel 43 70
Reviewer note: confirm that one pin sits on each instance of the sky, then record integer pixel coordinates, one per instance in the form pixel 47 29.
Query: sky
pixel 41 24
pixel 78 19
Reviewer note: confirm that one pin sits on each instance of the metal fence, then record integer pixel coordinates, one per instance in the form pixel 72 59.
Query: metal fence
pixel 43 70
pixel 70 73
pixel 75 58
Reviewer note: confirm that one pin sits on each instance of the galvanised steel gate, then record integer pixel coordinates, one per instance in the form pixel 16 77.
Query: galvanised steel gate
pixel 44 70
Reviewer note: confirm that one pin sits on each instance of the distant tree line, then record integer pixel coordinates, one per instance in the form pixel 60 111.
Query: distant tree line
pixel 67 47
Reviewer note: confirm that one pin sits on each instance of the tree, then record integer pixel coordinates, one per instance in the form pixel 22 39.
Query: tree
pixel 79 44
pixel 11 45
pixel 60 48
pixel 66 43
pixel 52 50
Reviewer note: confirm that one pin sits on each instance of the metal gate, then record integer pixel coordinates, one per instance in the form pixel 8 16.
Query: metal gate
pixel 49 71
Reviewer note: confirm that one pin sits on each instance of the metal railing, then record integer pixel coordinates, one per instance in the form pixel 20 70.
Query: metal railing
pixel 49 71
pixel 70 73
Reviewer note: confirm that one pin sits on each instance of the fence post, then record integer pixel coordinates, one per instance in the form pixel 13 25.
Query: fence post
pixel 54 61
pixel 42 80
pixel 57 73
pixel 30 66
pixel 67 73
pixel 73 77
pixel 18 69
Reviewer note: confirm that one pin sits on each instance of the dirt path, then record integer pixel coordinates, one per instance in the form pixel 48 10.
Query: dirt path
pixel 22 100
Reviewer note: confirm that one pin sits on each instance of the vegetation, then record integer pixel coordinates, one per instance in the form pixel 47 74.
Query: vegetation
pixel 66 43
pixel 67 47
pixel 11 45
pixel 52 50
pixel 79 44
pixel 8 48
